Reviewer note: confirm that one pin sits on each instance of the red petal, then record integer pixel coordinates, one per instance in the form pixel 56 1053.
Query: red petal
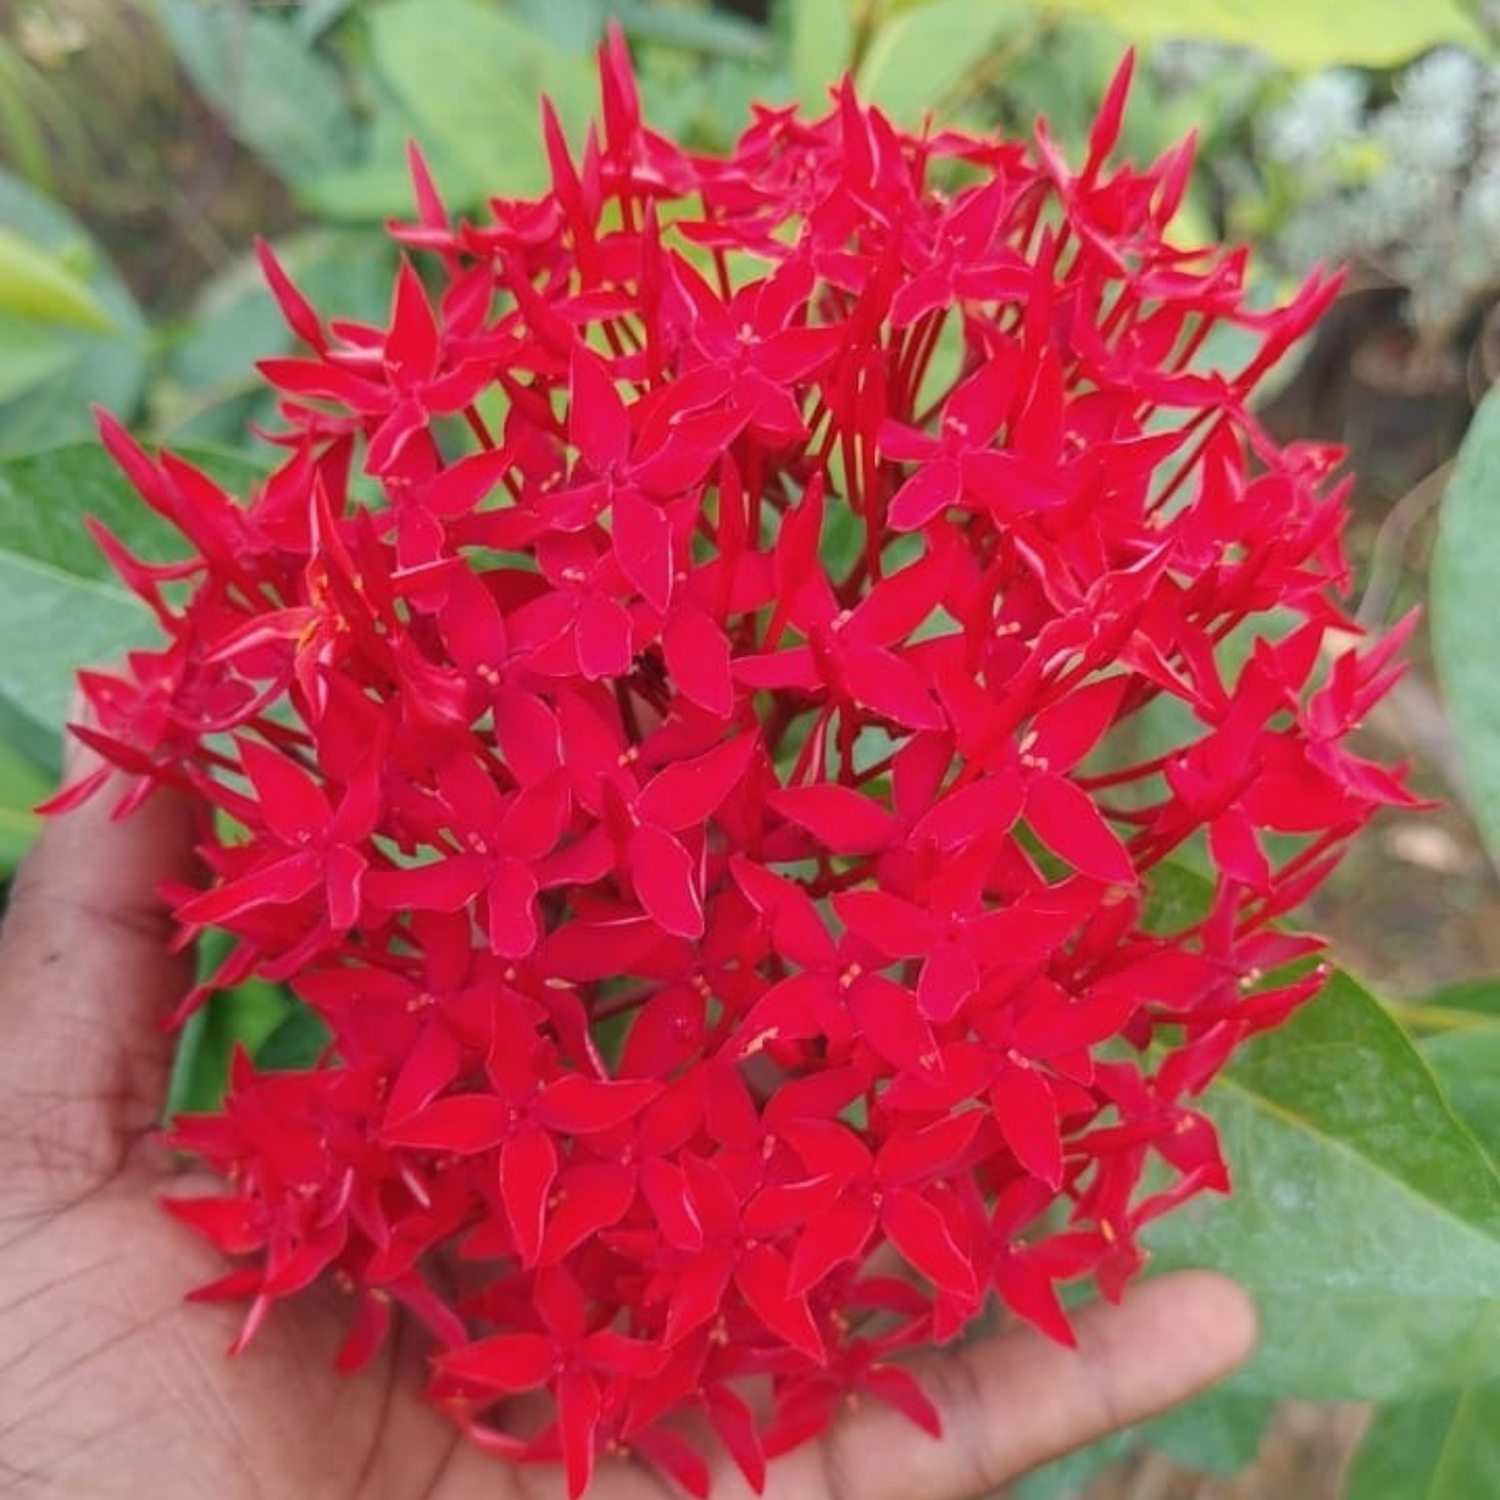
pixel 528 1166
pixel 590 1198
pixel 698 659
pixel 506 1362
pixel 1065 732
pixel 643 545
pixel 598 421
pixel 1026 1113
pixel 344 870
pixel 278 884
pixel 697 1294
pixel 921 1235
pixel 444 885
pixel 604 637
pixel 842 819
pixel 1028 1291
pixel 580 1105
pixel 891 926
pixel 412 344
pixel 886 1015
pixel 935 486
pixel 828 1240
pixel 687 792
pixel 461 1123
pixel 291 802
pixel 667 881
pixel 762 1277
pixel 511 909
pixel 735 1424
pixel 889 685
pixel 665 1188
pixel 1067 822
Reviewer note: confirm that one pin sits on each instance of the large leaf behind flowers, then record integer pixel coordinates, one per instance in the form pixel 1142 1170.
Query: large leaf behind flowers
pixel 60 606
pixel 1365 1217
pixel 1465 565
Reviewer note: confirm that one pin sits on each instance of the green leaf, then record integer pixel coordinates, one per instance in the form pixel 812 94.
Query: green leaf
pixel 1477 997
pixel 59 605
pixel 81 367
pixel 575 25
pixel 30 353
pixel 1465 565
pixel 1219 1432
pixel 820 47
pixel 216 390
pixel 471 77
pixel 919 58
pixel 1467 1063
pixel 275 94
pixel 312 18
pixel 33 284
pixel 22 786
pixel 1065 1478
pixel 295 1043
pixel 701 31
pixel 1446 1448
pixel 245 1016
pixel 1292 32
pixel 1365 1218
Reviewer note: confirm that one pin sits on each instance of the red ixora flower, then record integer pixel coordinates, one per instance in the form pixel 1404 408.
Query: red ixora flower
pixel 700 712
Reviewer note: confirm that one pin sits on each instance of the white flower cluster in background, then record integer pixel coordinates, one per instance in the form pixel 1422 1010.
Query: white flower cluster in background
pixel 1410 185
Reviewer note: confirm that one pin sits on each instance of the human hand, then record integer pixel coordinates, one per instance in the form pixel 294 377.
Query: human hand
pixel 110 1385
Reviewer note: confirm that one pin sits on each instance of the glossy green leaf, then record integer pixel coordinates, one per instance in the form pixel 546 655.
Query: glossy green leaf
pixel 1465 565
pixel 1445 1448
pixel 470 75
pixel 59 605
pixel 79 367
pixel 1467 1063
pixel 33 284
pixel 919 58
pixel 1292 32
pixel 1365 1218
pixel 275 94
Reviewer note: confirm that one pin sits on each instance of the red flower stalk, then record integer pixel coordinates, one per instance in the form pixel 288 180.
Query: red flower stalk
pixel 687 714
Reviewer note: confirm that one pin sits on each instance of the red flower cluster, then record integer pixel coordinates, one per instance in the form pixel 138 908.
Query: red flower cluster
pixel 686 714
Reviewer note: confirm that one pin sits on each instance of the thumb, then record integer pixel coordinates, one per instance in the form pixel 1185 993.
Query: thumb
pixel 85 978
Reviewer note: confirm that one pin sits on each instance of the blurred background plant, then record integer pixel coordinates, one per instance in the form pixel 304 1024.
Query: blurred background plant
pixel 144 143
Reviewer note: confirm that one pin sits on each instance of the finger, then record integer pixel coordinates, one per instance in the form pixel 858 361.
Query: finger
pixel 1017 1400
pixel 85 975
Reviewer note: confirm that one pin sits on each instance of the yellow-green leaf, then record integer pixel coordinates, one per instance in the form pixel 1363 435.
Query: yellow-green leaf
pixel 1377 33
pixel 34 284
